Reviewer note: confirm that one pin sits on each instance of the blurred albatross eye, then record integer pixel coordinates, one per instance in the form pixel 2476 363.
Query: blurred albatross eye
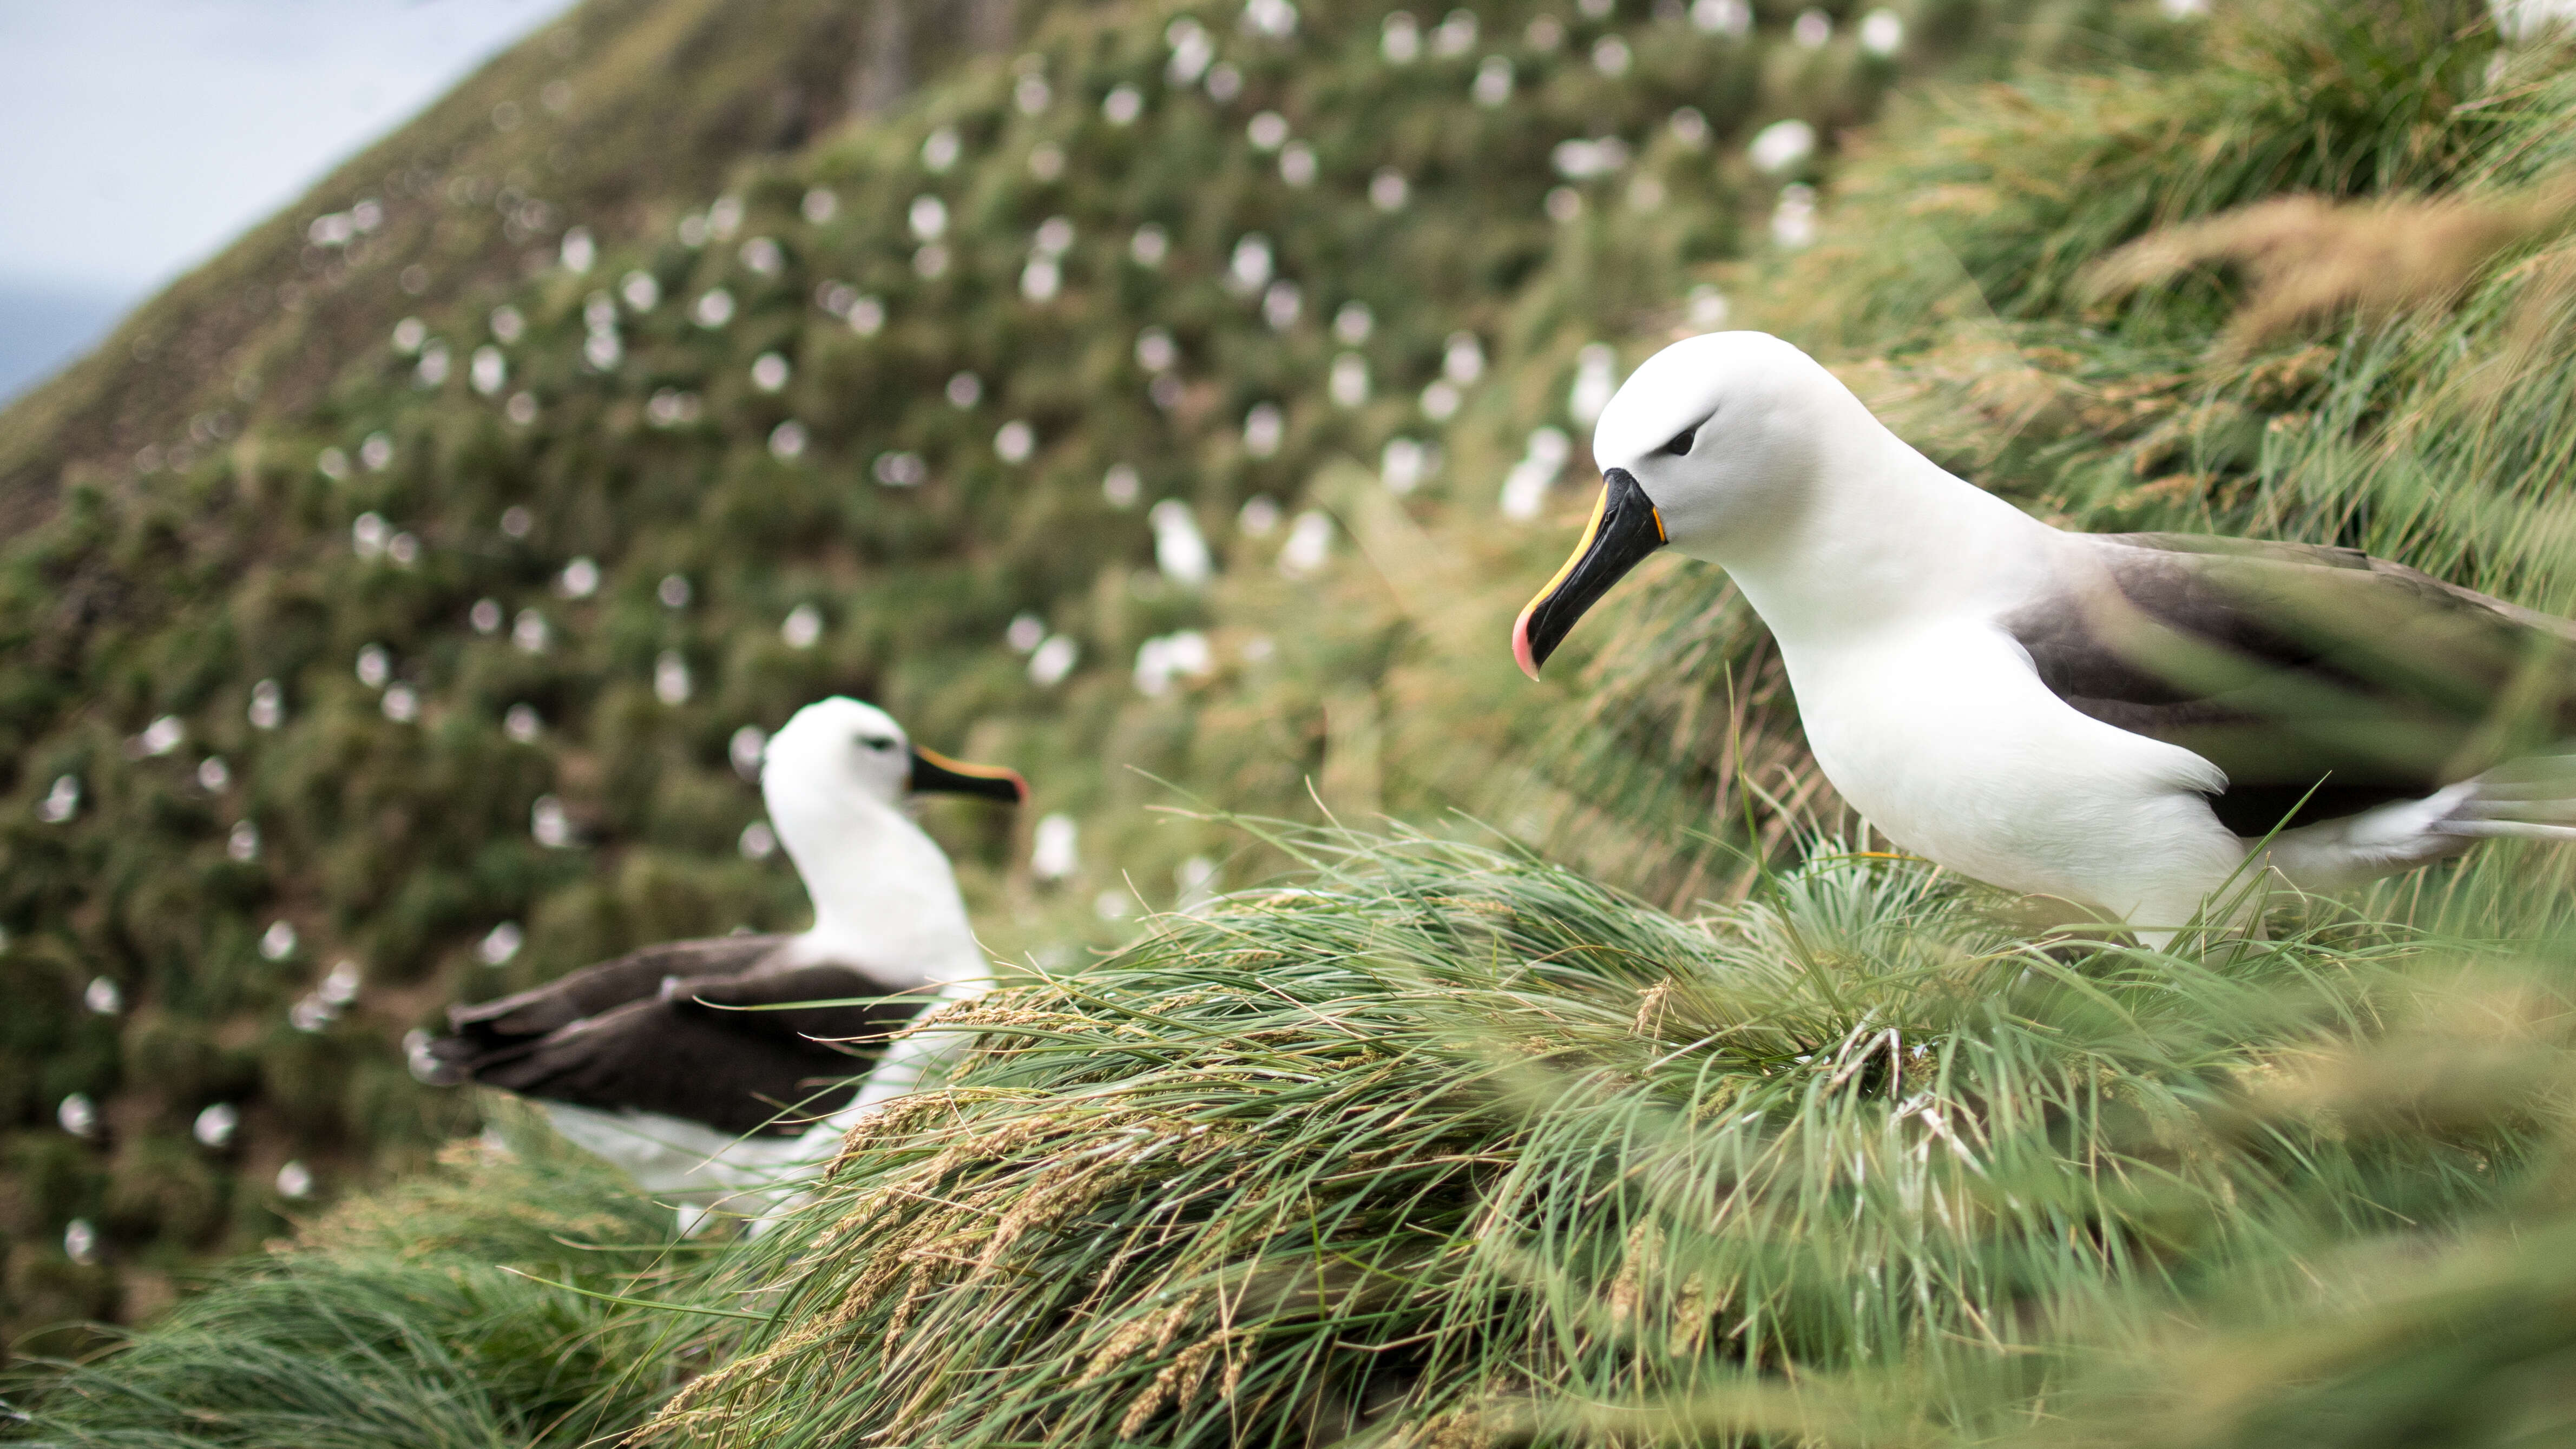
pixel 876 742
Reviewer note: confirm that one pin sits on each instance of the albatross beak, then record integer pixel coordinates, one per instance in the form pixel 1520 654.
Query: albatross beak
pixel 1624 529
pixel 933 772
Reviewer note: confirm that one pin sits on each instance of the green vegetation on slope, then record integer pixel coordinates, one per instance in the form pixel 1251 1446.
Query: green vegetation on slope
pixel 1447 1146
pixel 605 114
pixel 456 653
pixel 1440 1143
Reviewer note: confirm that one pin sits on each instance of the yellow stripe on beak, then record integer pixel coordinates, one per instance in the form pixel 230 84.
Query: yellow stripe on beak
pixel 935 772
pixel 1624 528
pixel 1582 546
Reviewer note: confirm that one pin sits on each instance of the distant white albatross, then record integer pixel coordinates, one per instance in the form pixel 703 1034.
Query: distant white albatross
pixel 655 1059
pixel 2115 719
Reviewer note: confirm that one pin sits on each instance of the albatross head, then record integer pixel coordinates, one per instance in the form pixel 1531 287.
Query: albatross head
pixel 838 749
pixel 835 777
pixel 1711 448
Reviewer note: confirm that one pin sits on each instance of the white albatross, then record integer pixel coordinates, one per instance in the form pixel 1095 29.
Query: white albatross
pixel 655 1061
pixel 2118 720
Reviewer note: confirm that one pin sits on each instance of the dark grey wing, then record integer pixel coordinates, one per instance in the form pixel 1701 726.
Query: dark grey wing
pixel 493 1026
pixel 2321 680
pixel 827 1003
pixel 489 1031
pixel 645 1057
pixel 707 1051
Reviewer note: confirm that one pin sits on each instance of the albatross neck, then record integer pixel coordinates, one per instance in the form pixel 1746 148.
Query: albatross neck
pixel 1885 537
pixel 884 896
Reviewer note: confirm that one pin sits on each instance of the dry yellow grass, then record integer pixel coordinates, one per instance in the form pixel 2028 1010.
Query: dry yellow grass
pixel 2307 258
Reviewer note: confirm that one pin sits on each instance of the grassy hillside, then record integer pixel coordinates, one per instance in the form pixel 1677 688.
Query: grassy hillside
pixel 1445 1144
pixel 149 451
pixel 598 122
pixel 449 647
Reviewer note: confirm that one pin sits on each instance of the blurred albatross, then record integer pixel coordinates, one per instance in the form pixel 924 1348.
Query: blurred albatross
pixel 2120 720
pixel 707 1066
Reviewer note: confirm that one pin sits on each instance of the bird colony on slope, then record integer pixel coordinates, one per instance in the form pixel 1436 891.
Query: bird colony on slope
pixel 1155 283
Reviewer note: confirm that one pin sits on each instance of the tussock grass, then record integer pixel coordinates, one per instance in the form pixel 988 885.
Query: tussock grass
pixel 2310 259
pixel 1447 1140
pixel 1438 1143
pixel 474 1305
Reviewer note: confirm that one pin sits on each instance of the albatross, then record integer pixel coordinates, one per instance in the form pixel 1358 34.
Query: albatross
pixel 711 1066
pixel 2124 721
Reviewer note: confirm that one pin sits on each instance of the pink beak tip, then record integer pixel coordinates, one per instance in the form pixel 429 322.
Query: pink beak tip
pixel 1521 645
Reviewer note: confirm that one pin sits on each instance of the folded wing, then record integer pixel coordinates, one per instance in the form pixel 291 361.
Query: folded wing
pixel 493 1026
pixel 724 1032
pixel 2323 682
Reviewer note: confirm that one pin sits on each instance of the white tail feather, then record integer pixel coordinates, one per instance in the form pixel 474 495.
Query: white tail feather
pixel 2515 829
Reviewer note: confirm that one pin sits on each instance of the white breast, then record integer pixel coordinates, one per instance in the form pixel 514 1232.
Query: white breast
pixel 884 899
pixel 1943 737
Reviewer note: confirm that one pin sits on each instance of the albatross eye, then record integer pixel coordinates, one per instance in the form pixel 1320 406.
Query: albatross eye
pixel 876 742
pixel 1680 445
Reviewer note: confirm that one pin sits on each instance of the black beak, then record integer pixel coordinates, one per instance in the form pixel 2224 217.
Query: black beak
pixel 934 773
pixel 1624 529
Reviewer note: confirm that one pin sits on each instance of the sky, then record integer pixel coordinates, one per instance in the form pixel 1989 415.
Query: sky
pixel 137 137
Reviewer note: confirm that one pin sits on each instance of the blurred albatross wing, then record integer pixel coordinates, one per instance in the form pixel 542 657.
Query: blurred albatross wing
pixel 743 1035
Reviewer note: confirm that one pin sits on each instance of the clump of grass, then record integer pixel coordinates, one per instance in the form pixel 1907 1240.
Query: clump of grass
pixel 2462 1344
pixel 1441 1144
pixel 475 1305
pixel 2423 1331
pixel 1446 1138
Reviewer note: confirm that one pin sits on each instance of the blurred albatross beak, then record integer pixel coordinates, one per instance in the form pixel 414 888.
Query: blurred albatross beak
pixel 1624 529
pixel 933 772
